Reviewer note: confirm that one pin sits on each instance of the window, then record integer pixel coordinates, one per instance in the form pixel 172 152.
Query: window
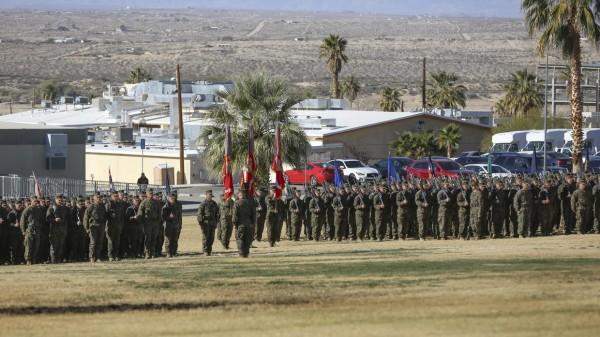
pixel 449 165
pixel 475 169
pixel 421 166
pixel 498 169
pixel 521 163
pixel 354 164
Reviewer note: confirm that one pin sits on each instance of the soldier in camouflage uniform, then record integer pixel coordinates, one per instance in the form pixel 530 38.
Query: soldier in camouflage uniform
pixel 522 203
pixel 579 205
pixel 59 218
pixel 171 216
pixel 306 215
pixel 360 205
pixel 244 215
pixel 296 209
pixel 328 226
pixel 596 203
pixel 225 228
pixel 316 209
pixel 379 206
pixel 444 201
pixel 339 215
pixel 464 210
pixel 95 220
pixel 116 218
pixel 272 219
pixel 423 202
pixel 565 191
pixel 499 201
pixel 403 210
pixel 477 211
pixel 208 218
pixel 261 214
pixel 149 216
pixel 31 222
pixel 546 207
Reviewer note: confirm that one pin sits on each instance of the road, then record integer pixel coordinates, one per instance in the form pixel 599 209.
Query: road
pixel 258 28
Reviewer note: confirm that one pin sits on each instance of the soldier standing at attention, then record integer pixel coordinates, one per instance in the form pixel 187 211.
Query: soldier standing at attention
pixel 296 210
pixel 565 191
pixel 462 200
pixel 134 230
pixel 32 219
pixel 208 217
pixel 523 202
pixel 225 225
pixel 58 217
pixel 338 221
pixel 546 207
pixel 444 215
pixel 499 200
pixel 316 208
pixel 423 207
pixel 579 205
pixel 328 226
pixel 244 215
pixel 149 216
pixel 272 219
pixel 596 203
pixel 360 209
pixel 403 213
pixel 380 212
pixel 116 217
pixel 261 214
pixel 476 210
pixel 170 217
pixel 95 220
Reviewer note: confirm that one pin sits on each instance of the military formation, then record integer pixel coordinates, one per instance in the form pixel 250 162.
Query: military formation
pixel 119 226
pixel 103 227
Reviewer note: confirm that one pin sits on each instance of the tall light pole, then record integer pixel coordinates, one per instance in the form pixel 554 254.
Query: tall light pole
pixel 545 113
pixel 181 154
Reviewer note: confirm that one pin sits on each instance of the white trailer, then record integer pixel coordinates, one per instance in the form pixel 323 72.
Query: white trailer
pixel 509 141
pixel 555 139
pixel 590 136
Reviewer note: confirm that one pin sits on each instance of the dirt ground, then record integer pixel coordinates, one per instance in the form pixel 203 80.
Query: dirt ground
pixel 509 287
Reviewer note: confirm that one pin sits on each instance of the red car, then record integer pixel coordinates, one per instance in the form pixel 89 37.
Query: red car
pixel 443 168
pixel 314 174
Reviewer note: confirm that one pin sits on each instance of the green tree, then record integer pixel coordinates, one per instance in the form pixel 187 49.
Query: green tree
pixel 390 99
pixel 333 50
pixel 444 93
pixel 522 96
pixel 264 102
pixel 138 75
pixel 562 24
pixel 350 89
pixel 49 90
pixel 449 139
pixel 416 145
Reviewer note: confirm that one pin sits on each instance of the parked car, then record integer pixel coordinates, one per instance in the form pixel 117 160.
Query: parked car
pixel 442 168
pixel 355 171
pixel 562 159
pixel 521 162
pixel 594 164
pixel 400 164
pixel 482 169
pixel 471 160
pixel 470 154
pixel 314 174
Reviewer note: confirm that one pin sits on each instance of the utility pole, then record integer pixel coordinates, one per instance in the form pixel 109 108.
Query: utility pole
pixel 33 100
pixel 424 87
pixel 181 154
pixel 545 114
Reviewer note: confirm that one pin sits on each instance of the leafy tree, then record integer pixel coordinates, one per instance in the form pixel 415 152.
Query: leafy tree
pixel 416 145
pixel 522 96
pixel 444 93
pixel 449 138
pixel 138 75
pixel 390 99
pixel 333 50
pixel 264 102
pixel 562 24
pixel 350 89
pixel 52 90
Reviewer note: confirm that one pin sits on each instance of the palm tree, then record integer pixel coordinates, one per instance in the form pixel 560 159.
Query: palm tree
pixel 522 95
pixel 444 93
pixel 426 144
pixel 390 99
pixel 263 101
pixel 350 89
pixel 138 75
pixel 562 24
pixel 449 138
pixel 404 145
pixel 333 51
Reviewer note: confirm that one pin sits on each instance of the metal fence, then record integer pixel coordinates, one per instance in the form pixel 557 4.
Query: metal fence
pixel 16 187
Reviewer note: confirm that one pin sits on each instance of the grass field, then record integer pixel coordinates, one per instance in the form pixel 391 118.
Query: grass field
pixel 528 287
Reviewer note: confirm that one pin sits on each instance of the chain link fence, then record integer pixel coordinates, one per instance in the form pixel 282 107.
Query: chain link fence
pixel 16 187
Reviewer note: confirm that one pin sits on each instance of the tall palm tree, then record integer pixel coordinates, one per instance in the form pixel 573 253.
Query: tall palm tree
pixel 405 145
pixel 426 144
pixel 333 50
pixel 264 102
pixel 390 99
pixel 522 95
pixel 562 24
pixel 138 75
pixel 444 93
pixel 350 89
pixel 449 138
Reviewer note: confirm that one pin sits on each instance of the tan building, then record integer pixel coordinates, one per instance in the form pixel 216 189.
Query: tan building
pixel 47 151
pixel 371 140
pixel 125 164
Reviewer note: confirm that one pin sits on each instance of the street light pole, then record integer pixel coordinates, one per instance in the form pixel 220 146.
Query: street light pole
pixel 545 114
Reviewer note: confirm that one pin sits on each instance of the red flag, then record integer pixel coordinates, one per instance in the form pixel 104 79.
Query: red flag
pixel 37 187
pixel 248 176
pixel 276 165
pixel 226 172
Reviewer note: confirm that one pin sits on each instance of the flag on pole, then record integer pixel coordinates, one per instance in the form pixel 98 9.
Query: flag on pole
pixel 338 179
pixel 111 185
pixel 226 171
pixel 392 174
pixel 276 165
pixel 37 187
pixel 431 167
pixel 248 175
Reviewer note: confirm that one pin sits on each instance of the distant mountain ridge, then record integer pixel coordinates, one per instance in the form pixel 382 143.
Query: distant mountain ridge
pixel 475 8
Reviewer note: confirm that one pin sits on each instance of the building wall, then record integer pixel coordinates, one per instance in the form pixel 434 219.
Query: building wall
pixel 372 142
pixel 23 151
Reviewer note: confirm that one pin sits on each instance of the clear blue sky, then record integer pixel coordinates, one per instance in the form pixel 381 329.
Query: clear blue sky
pixel 493 8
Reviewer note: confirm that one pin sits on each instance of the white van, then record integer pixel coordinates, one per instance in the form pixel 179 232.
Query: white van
pixel 555 139
pixel 590 136
pixel 509 141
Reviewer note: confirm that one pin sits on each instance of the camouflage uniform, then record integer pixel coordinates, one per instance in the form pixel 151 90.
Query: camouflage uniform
pixel 208 218
pixel 31 222
pixel 225 229
pixel 95 220
pixel 244 215
pixel 58 231
pixel 149 216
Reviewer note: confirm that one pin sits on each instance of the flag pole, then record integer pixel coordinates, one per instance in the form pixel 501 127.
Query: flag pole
pixel 181 153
